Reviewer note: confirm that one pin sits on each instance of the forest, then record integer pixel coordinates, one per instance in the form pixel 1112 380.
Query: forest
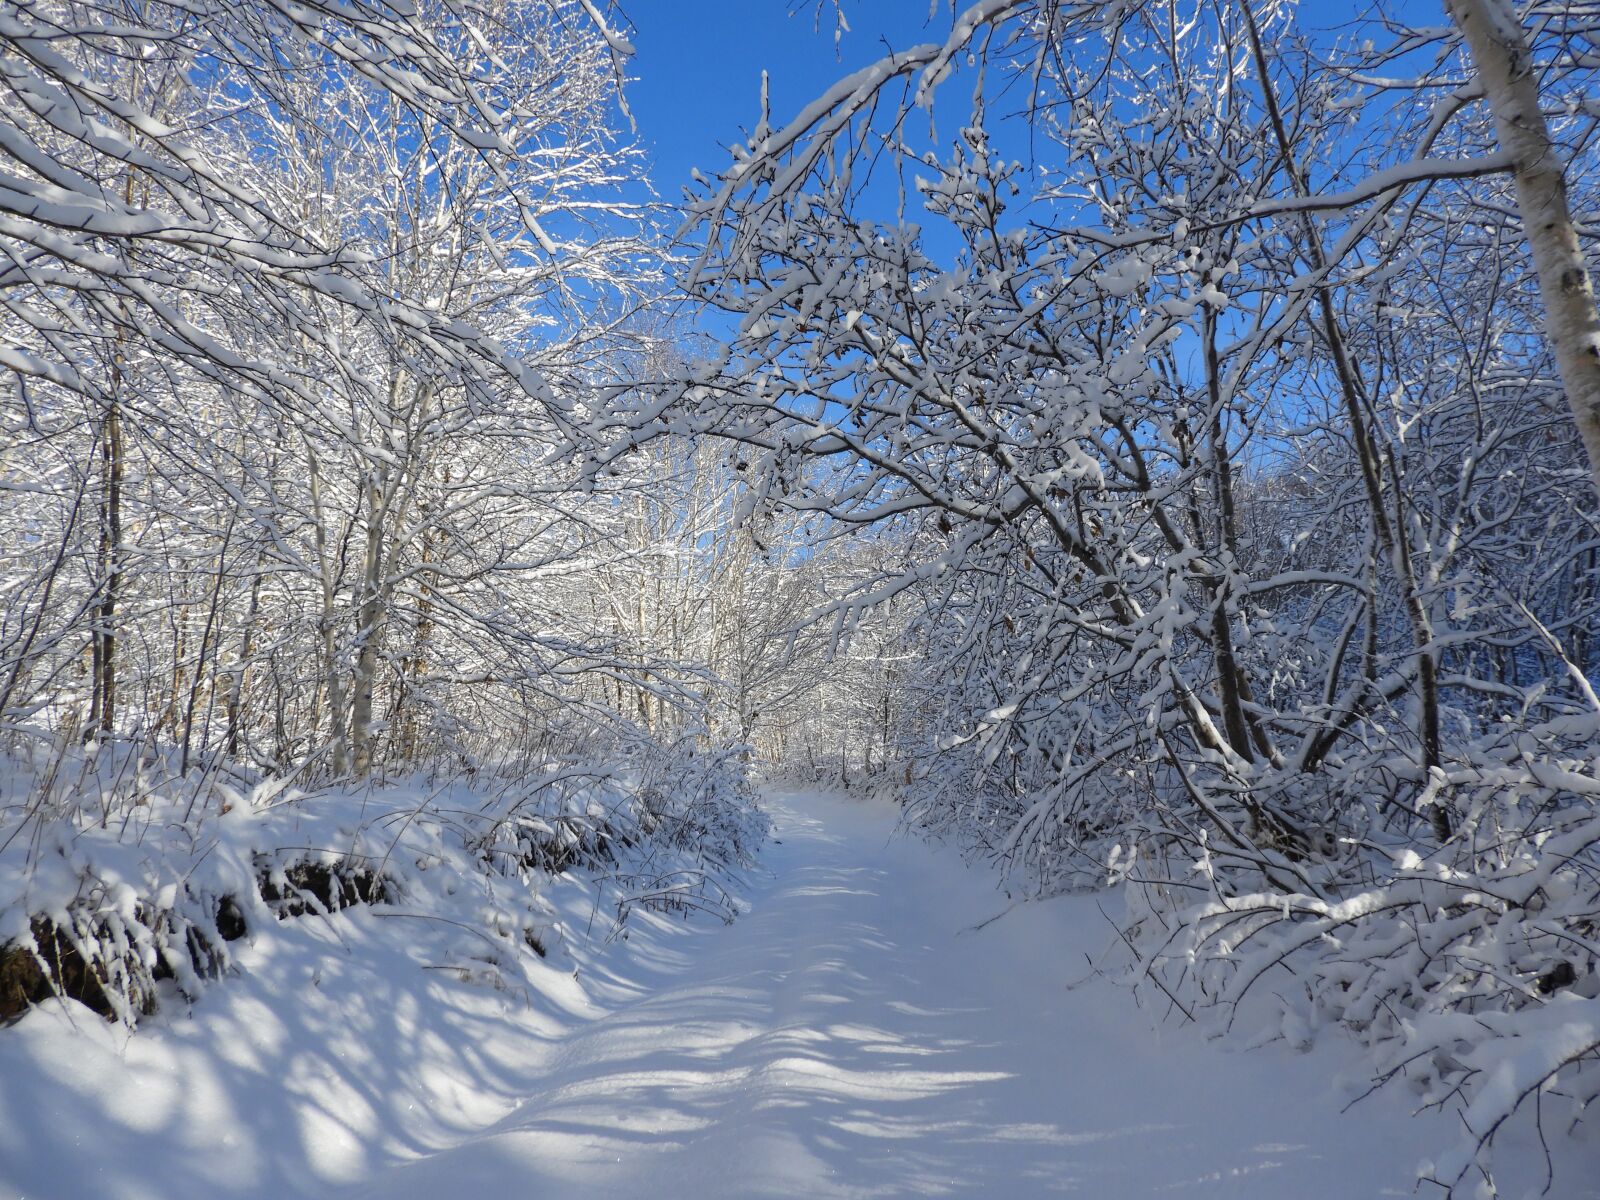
pixel 1148 449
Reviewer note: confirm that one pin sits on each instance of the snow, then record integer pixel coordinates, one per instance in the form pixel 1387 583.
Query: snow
pixel 864 1030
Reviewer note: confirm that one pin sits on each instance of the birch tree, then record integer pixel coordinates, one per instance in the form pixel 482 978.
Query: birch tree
pixel 1508 76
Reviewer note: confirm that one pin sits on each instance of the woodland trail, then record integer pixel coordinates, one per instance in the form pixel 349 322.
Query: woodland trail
pixel 854 1035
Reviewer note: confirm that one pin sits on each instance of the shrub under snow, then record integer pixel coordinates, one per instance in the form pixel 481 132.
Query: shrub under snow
pixel 123 882
pixel 1468 970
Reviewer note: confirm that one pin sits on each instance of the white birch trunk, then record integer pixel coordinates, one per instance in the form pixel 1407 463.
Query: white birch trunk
pixel 1505 68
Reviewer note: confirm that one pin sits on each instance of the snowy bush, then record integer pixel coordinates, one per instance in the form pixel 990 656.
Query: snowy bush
pixel 1469 970
pixel 667 825
pixel 124 880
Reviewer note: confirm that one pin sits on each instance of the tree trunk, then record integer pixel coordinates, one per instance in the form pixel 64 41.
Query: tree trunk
pixel 369 630
pixel 407 719
pixel 242 667
pixel 1352 388
pixel 1505 68
pixel 332 669
pixel 199 678
pixel 103 710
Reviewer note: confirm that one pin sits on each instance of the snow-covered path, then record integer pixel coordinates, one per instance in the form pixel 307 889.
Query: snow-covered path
pixel 853 1035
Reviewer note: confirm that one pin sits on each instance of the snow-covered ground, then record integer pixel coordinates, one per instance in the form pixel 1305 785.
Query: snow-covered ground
pixel 853 1035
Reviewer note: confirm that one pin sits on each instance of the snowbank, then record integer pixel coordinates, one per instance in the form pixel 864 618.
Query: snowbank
pixel 322 981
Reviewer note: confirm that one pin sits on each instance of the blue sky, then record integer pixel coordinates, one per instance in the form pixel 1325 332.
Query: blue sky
pixel 699 62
